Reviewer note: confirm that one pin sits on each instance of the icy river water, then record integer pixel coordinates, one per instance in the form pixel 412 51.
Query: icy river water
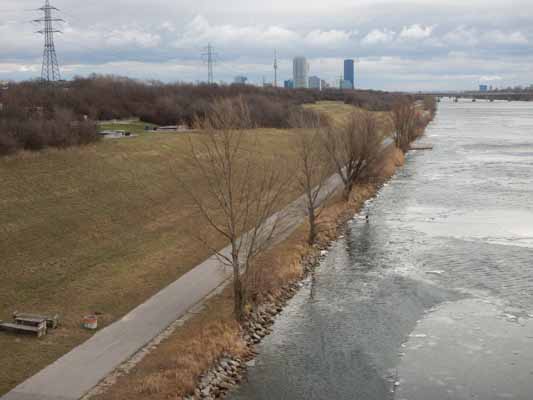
pixel 433 297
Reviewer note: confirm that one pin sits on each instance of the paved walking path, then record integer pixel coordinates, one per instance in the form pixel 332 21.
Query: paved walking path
pixel 78 371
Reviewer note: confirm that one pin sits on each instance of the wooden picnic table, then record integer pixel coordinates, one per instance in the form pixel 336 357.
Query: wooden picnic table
pixel 51 321
pixel 30 321
pixel 39 329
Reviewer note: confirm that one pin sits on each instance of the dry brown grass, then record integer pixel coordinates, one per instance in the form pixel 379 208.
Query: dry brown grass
pixel 96 228
pixel 338 111
pixel 171 371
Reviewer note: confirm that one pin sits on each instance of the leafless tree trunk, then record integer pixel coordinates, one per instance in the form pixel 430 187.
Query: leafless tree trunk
pixel 354 148
pixel 243 188
pixel 313 164
pixel 404 119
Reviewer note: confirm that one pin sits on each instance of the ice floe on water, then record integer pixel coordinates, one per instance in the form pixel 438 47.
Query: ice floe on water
pixel 474 344
pixel 436 272
pixel 496 226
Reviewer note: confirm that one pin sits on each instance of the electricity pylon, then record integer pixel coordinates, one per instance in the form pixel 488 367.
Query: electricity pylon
pixel 50 68
pixel 275 68
pixel 210 57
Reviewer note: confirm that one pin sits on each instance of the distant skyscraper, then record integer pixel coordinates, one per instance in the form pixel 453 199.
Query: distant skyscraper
pixel 300 69
pixel 349 72
pixel 240 80
pixel 315 83
pixel 288 84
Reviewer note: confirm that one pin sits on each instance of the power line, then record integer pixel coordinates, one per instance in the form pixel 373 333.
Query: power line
pixel 50 68
pixel 275 68
pixel 210 57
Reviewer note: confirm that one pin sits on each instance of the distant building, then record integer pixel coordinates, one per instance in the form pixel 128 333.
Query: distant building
pixel 167 128
pixel 483 88
pixel 346 84
pixel 315 83
pixel 240 80
pixel 349 73
pixel 300 69
pixel 288 84
pixel 324 84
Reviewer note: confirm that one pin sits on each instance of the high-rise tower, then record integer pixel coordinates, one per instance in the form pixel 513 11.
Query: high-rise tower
pixel 349 72
pixel 300 69
pixel 50 68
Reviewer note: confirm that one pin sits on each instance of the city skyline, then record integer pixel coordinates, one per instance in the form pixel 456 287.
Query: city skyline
pixel 403 45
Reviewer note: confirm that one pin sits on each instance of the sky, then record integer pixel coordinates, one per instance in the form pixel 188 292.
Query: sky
pixel 405 45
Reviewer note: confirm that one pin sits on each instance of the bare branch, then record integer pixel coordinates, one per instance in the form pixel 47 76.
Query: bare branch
pixel 354 147
pixel 242 189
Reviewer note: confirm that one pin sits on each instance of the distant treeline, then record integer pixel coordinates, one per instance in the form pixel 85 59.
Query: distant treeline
pixel 521 96
pixel 34 116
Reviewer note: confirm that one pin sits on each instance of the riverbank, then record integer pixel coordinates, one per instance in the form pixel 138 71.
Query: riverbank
pixel 96 229
pixel 433 298
pixel 101 229
pixel 207 355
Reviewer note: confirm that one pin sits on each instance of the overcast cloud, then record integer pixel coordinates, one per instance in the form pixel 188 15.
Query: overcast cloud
pixel 406 45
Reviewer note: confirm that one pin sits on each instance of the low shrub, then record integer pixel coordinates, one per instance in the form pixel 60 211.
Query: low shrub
pixel 34 116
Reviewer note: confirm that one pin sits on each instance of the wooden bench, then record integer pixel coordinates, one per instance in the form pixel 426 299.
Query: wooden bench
pixel 39 329
pixel 421 147
pixel 27 319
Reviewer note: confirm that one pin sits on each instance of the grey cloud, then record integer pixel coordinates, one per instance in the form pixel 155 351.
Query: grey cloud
pixel 164 40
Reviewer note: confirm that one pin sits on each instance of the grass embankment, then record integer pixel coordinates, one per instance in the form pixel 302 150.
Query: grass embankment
pixel 98 228
pixel 173 369
pixel 337 112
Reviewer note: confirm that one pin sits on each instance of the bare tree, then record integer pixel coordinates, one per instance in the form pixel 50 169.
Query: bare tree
pixel 237 189
pixel 404 120
pixel 354 147
pixel 313 164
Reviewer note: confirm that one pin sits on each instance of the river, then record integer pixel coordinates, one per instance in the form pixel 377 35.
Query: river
pixel 433 297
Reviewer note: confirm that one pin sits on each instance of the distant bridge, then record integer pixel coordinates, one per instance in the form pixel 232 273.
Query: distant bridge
pixel 489 95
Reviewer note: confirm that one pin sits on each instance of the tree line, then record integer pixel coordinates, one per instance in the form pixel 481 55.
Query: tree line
pixel 34 116
pixel 246 188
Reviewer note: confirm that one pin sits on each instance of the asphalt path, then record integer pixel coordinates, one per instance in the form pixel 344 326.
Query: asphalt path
pixel 77 372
